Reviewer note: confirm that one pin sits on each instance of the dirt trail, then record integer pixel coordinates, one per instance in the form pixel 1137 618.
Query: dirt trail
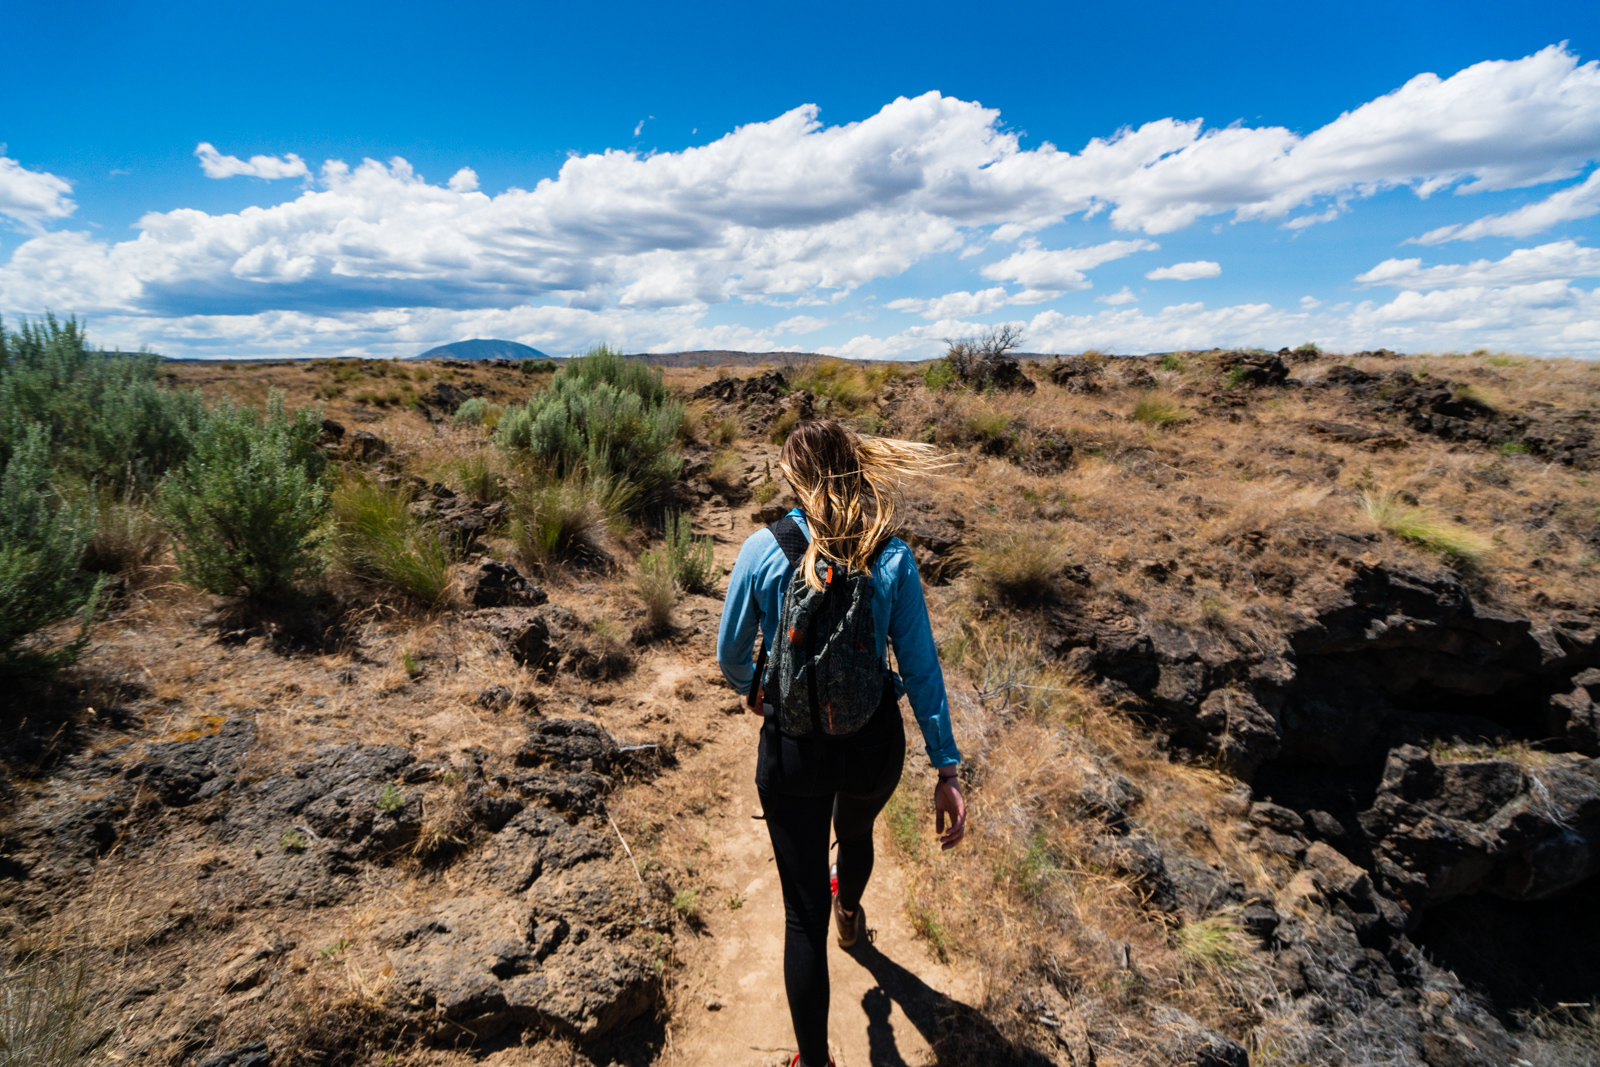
pixel 887 997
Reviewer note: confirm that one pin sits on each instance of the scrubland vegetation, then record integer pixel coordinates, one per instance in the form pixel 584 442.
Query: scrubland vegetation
pixel 163 527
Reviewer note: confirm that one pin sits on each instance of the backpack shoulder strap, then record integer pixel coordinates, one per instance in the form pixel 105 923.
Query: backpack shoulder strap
pixel 790 538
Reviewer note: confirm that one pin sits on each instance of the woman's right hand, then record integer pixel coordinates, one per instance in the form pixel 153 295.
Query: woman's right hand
pixel 949 803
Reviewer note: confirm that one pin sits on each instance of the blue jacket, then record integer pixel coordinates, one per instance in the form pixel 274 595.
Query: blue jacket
pixel 755 595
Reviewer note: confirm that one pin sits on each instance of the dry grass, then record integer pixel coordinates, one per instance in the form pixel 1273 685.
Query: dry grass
pixel 1158 411
pixel 1456 543
pixel 1016 568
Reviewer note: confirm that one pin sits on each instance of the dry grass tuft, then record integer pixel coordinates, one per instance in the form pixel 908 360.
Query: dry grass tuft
pixel 1458 544
pixel 1158 411
pixel 1017 569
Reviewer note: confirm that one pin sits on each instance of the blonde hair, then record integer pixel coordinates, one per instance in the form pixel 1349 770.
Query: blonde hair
pixel 848 487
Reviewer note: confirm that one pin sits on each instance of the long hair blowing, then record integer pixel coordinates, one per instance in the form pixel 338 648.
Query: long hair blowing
pixel 848 487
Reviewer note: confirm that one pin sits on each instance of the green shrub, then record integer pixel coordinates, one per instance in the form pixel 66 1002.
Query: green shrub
pixel 689 556
pixel 471 412
pixel 246 505
pixel 537 366
pixel 605 417
pixel 1310 348
pixel 105 418
pixel 42 543
pixel 845 384
pixel 377 541
pixel 939 375
pixel 1171 362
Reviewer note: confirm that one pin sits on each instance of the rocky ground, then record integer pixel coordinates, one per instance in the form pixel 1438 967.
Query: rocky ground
pixel 1269 760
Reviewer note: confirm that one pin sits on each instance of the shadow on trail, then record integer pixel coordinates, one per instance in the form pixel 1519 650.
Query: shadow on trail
pixel 958 1034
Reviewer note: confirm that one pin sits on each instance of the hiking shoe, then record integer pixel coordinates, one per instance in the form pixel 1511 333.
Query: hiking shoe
pixel 850 926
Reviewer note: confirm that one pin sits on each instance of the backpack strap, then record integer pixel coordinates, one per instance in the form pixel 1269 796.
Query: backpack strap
pixel 790 538
pixel 793 541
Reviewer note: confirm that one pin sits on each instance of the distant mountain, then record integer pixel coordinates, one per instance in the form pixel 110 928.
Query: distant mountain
pixel 478 348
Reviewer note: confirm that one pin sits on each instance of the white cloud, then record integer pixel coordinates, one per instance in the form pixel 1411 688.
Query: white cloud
pixel 788 211
pixel 1559 260
pixel 32 197
pixel 217 165
pixel 801 324
pixel 1547 318
pixel 1120 297
pixel 1060 271
pixel 1309 303
pixel 1566 205
pixel 1186 272
pixel 954 305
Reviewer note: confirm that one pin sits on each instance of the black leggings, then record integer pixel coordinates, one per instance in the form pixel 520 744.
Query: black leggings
pixel 798 826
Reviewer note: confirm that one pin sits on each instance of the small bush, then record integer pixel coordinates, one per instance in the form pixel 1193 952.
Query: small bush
pixel 247 504
pixel 724 431
pixel 1156 411
pixel 939 375
pixel 537 366
pixel 1171 362
pixel 658 588
pixel 604 417
pixel 1417 525
pixel 104 417
pixel 377 541
pixel 1022 570
pixel 689 556
pixel 1512 448
pixel 559 520
pixel 1310 348
pixel 42 542
pixel 476 411
pixel 391 799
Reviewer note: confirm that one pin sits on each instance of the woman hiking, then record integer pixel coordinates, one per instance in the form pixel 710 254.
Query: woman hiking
pixel 831 591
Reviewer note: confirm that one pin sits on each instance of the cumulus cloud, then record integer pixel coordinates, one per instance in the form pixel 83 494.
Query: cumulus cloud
pixel 1565 205
pixel 32 197
pixel 1186 272
pixel 954 305
pixel 1120 297
pixel 1051 273
pixel 801 324
pixel 1550 318
pixel 790 211
pixel 217 165
pixel 1559 260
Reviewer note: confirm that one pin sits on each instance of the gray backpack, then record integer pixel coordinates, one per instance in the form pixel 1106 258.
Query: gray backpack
pixel 825 676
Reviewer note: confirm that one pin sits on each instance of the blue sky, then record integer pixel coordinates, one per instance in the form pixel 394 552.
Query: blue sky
pixel 1417 176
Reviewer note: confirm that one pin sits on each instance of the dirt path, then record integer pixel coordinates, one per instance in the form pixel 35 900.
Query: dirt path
pixel 887 996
